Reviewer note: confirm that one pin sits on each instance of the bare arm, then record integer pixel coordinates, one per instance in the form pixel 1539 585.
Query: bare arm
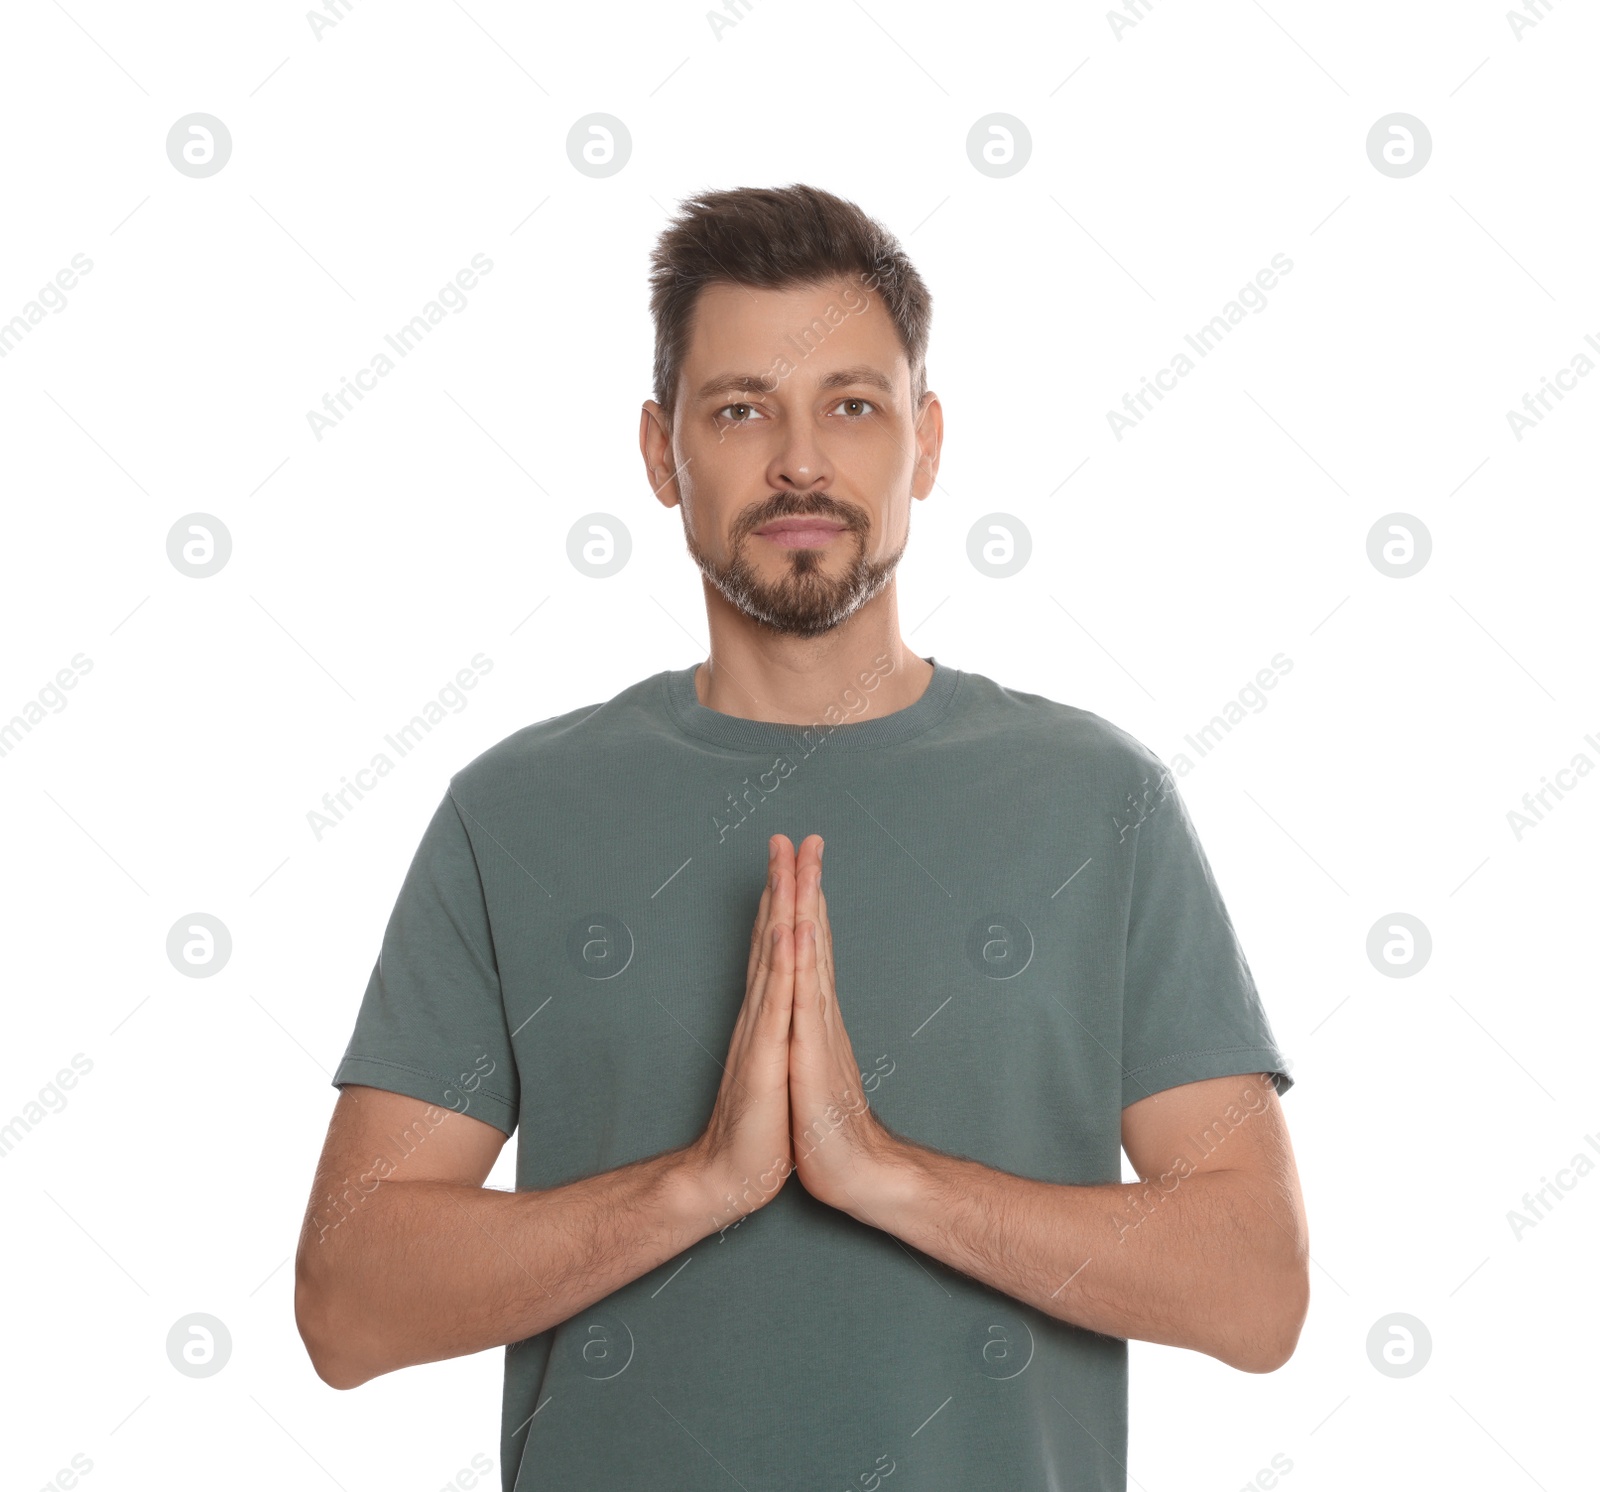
pixel 406 1258
pixel 1209 1251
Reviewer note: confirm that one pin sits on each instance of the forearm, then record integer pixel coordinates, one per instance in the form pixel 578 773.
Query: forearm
pixel 425 1270
pixel 1209 1264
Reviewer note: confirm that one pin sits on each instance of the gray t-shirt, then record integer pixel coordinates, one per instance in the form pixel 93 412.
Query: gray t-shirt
pixel 1027 937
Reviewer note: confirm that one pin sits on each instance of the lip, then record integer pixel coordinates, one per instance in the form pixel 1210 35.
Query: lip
pixel 803 525
pixel 801 533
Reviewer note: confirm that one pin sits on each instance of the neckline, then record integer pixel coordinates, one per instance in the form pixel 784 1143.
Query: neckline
pixel 901 725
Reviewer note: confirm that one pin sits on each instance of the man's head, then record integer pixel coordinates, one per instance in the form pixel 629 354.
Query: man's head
pixel 790 382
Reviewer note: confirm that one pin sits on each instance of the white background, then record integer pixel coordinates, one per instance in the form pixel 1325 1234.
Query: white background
pixel 1168 165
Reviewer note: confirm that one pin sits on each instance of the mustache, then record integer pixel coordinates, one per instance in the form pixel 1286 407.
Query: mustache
pixel 815 505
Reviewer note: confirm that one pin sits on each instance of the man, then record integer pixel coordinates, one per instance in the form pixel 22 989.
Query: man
pixel 879 1228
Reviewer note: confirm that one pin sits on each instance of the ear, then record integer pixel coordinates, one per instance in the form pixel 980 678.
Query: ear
pixel 929 430
pixel 655 446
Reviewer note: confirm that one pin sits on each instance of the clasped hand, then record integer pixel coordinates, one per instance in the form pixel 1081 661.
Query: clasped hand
pixel 791 1098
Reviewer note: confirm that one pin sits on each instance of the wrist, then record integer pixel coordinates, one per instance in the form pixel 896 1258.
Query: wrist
pixel 898 1179
pixel 714 1199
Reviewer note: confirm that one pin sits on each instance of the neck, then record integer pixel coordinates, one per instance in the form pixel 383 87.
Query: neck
pixel 755 674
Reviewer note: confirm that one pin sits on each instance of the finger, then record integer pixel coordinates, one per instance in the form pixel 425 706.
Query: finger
pixel 808 871
pixel 821 982
pixel 759 932
pixel 777 853
pixel 758 935
pixel 780 989
pixel 770 987
pixel 806 990
pixel 784 881
pixel 826 987
pixel 827 937
pixel 778 973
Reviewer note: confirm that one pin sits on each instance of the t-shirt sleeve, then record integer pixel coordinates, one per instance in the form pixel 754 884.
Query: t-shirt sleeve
pixel 1190 1006
pixel 432 1023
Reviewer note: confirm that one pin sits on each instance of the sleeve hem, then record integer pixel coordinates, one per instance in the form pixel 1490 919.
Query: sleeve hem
pixel 416 1082
pixel 1213 1062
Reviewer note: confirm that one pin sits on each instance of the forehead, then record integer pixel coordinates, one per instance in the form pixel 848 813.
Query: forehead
pixel 813 328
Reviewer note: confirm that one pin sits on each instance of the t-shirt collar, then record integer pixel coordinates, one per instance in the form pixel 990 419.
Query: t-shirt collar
pixel 840 728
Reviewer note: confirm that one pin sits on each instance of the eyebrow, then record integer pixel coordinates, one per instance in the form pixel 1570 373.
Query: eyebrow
pixel 760 383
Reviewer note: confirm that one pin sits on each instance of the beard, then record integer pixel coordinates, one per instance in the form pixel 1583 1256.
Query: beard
pixel 804 600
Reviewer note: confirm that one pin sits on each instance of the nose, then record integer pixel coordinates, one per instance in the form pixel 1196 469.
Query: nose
pixel 800 464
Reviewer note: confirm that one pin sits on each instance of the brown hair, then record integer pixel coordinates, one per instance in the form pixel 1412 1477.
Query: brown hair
pixel 769 238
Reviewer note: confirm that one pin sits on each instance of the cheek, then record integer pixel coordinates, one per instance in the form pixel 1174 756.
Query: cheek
pixel 724 472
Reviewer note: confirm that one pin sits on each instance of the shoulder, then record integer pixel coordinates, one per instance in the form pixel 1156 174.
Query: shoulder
pixel 1076 739
pixel 551 744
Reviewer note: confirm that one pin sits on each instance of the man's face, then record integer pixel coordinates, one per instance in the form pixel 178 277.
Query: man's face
pixel 795 404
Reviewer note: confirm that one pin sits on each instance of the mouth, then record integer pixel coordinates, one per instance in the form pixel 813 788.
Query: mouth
pixel 800 533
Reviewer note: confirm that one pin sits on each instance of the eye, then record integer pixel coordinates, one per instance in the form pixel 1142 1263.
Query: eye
pixel 864 407
pixel 750 408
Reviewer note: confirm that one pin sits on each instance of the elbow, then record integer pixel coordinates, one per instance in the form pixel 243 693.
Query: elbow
pixel 315 1318
pixel 1267 1356
pixel 1277 1331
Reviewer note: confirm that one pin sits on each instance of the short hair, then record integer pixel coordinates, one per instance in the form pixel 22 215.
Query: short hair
pixel 769 238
